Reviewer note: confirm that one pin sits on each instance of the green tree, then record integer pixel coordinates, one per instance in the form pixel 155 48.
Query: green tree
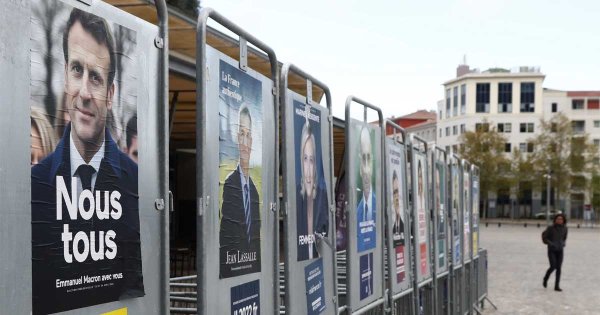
pixel 521 177
pixel 484 147
pixel 568 155
pixel 190 8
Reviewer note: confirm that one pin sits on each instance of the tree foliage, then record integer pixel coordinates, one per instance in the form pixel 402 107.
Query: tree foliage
pixel 190 8
pixel 485 148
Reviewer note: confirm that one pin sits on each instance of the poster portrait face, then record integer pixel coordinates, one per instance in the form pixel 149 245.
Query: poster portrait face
pixel 84 181
pixel 366 196
pixel 240 171
pixel 312 219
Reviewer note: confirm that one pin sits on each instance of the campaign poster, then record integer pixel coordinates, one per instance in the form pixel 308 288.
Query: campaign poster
pixel 341 227
pixel 240 168
pixel 466 216
pixel 366 275
pixel 245 299
pixel 440 201
pixel 315 288
pixel 397 184
pixel 312 211
pixel 456 217
pixel 475 199
pixel 422 227
pixel 366 210
pixel 85 227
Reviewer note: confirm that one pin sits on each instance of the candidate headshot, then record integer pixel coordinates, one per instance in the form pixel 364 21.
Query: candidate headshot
pixel 239 234
pixel 366 209
pixel 311 200
pixel 398 228
pixel 88 154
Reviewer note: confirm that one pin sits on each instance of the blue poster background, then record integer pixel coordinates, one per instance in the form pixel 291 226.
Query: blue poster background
pixel 366 275
pixel 315 288
pixel 245 299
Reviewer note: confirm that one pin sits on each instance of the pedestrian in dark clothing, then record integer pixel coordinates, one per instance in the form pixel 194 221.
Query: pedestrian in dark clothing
pixel 555 236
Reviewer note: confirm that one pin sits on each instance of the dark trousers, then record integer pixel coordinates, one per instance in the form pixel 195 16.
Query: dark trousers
pixel 555 258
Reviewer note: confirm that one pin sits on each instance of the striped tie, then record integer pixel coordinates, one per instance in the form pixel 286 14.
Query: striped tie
pixel 247 210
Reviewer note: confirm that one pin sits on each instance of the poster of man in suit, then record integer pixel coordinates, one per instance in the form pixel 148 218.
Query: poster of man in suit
pixel 397 184
pixel 240 167
pixel 84 185
pixel 366 210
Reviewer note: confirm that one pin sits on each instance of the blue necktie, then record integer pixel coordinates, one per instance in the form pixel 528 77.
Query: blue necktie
pixel 247 210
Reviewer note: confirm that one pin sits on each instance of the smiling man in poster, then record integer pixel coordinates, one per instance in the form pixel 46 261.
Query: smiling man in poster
pixel 84 196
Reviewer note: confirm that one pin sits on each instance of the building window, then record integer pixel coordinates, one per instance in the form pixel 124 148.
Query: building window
pixel 440 132
pixel 526 147
pixel 504 97
pixel 597 142
pixel 455 102
pixel 553 127
pixel 505 127
pixel 447 131
pixel 482 102
pixel 596 123
pixel 463 99
pixel 448 103
pixel 507 147
pixel 448 149
pixel 455 148
pixel 554 107
pixel 526 127
pixel 455 130
pixel 527 97
pixel 578 126
pixel 462 129
pixel 484 127
pixel 577 104
pixel 593 104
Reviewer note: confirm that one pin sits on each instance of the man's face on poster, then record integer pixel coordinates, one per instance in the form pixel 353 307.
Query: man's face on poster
pixel 245 141
pixel 396 197
pixel 88 95
pixel 365 161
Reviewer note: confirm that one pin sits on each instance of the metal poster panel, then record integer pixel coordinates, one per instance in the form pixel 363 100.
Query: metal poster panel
pixel 245 299
pixel 441 216
pixel 238 225
pixel 309 246
pixel 475 210
pixel 466 190
pixel 421 215
pixel 240 171
pixel 456 215
pixel 399 216
pixel 88 78
pixel 341 222
pixel 364 222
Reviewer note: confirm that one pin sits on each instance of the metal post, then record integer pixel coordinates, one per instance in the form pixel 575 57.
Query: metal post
pixel 548 177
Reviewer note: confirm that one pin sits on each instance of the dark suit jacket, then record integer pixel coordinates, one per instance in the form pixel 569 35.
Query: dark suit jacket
pixel 233 235
pixel 367 240
pixel 117 172
pixel 320 221
pixel 398 228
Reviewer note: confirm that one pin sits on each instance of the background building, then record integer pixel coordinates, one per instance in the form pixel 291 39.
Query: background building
pixel 513 102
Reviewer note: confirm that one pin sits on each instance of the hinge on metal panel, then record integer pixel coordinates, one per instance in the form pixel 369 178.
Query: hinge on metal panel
pixel 159 204
pixel 273 206
pixel 332 208
pixel 283 211
pixel 330 118
pixel 274 91
pixel 243 54
pixel 309 97
pixel 203 205
pixel 159 42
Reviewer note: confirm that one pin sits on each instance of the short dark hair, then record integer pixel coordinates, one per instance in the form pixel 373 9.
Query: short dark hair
pixel 98 28
pixel 131 130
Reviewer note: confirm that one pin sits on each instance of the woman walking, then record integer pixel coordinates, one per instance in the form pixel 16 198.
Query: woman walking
pixel 555 236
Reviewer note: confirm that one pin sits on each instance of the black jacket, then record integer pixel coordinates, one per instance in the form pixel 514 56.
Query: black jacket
pixel 555 237
pixel 320 221
pixel 117 172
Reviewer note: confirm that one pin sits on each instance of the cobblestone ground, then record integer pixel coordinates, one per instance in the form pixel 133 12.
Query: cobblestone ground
pixel 518 261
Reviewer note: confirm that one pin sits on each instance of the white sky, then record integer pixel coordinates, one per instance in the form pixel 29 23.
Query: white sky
pixel 396 54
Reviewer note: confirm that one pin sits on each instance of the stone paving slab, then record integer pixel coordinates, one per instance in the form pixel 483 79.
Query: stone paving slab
pixel 518 261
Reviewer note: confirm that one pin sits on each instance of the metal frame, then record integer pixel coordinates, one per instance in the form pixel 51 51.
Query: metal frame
pixel 414 139
pixel 310 81
pixel 349 280
pixel 467 274
pixel 456 268
pixel 201 140
pixel 439 155
pixel 390 259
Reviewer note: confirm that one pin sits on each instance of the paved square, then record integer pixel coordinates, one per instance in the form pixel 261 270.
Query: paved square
pixel 518 261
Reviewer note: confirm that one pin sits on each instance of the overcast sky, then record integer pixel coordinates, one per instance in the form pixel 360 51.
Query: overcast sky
pixel 396 54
